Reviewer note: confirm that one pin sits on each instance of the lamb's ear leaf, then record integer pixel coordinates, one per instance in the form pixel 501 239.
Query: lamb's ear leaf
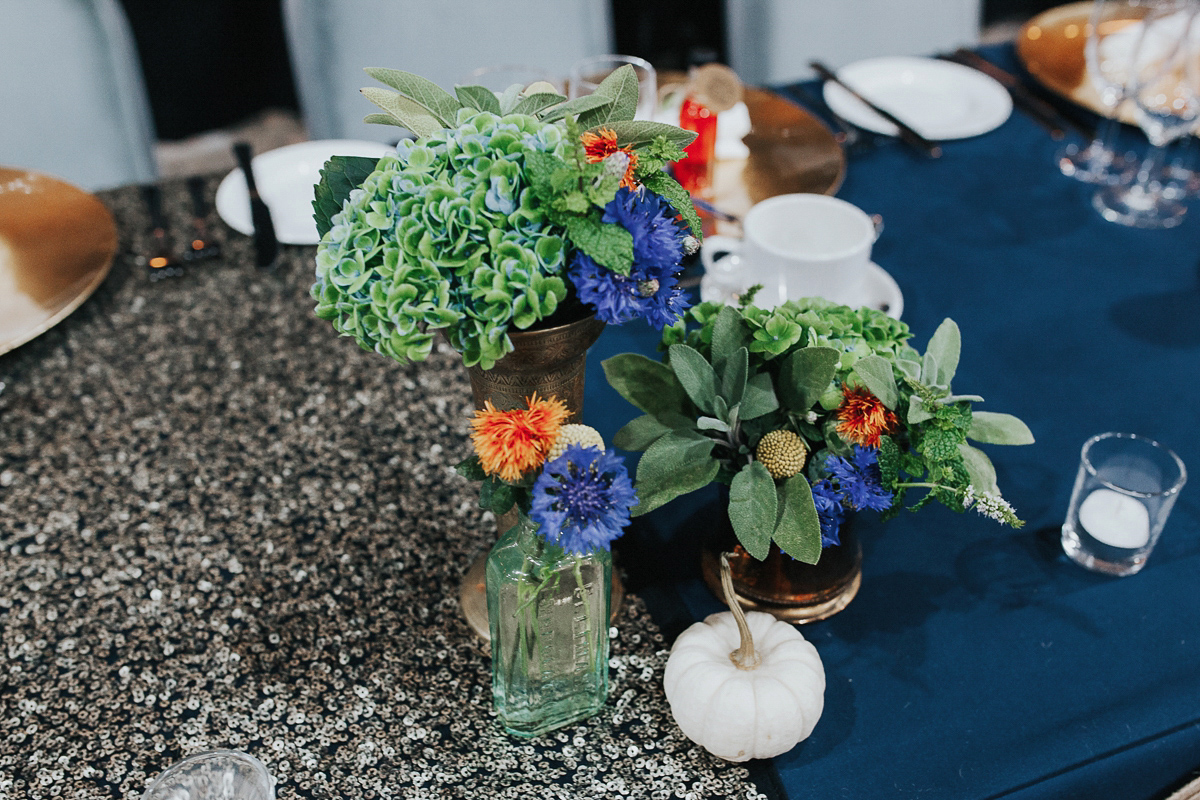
pixel 648 384
pixel 340 176
pixel 798 531
pixel 875 372
pixel 806 374
pixel 677 463
pixel 753 506
pixel 696 375
pixel 945 345
pixel 992 428
pixel 422 91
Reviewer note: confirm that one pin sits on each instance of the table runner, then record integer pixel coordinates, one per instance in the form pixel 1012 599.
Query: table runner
pixel 222 526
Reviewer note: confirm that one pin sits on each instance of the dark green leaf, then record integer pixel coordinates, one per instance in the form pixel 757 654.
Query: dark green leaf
pixel 677 463
pixel 496 496
pixel 663 184
pixel 641 432
pixel 752 508
pixel 728 334
pixel 889 461
pixel 695 374
pixel 875 372
pixel 637 132
pixel 340 176
pixel 805 375
pixel 799 530
pixel 471 469
pixel 649 385
pixel 759 397
pixel 733 376
pixel 621 86
pixel 479 98
pixel 610 246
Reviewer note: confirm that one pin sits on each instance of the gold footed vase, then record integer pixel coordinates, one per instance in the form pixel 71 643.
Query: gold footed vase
pixel 782 586
pixel 551 362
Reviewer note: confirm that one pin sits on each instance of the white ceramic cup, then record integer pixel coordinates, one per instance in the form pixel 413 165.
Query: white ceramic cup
pixel 798 245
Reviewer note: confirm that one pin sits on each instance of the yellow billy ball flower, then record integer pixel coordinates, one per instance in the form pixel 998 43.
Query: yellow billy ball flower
pixel 574 433
pixel 783 453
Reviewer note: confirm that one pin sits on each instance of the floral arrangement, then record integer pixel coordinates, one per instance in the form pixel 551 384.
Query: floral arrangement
pixel 808 411
pixel 558 474
pixel 509 211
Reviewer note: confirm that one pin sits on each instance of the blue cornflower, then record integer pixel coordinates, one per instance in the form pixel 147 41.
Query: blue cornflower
pixel 581 500
pixel 858 479
pixel 651 289
pixel 830 512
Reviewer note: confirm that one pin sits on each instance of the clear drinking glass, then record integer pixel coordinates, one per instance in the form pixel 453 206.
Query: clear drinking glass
pixel 548 611
pixel 215 775
pixel 1111 38
pixel 1165 88
pixel 587 74
pixel 501 76
pixel 1124 492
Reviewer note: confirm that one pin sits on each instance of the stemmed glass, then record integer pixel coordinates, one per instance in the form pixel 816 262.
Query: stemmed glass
pixel 1111 37
pixel 1165 87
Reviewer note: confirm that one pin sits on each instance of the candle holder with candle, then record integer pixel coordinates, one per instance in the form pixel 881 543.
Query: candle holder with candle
pixel 1124 492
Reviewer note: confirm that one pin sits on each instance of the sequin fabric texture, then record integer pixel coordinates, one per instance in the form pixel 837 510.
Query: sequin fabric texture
pixel 223 527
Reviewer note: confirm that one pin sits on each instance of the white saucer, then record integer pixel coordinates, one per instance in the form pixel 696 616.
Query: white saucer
pixel 285 180
pixel 938 99
pixel 879 290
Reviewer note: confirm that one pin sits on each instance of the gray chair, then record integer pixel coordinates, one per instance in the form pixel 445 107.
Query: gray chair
pixel 330 41
pixel 74 104
pixel 772 41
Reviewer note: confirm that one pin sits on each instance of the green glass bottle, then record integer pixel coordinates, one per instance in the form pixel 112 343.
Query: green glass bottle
pixel 548 611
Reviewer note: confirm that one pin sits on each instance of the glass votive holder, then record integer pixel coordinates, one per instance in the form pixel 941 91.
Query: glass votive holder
pixel 215 775
pixel 1124 492
pixel 587 74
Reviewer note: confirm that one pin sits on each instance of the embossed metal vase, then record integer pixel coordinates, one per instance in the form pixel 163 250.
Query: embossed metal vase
pixel 780 585
pixel 549 612
pixel 551 362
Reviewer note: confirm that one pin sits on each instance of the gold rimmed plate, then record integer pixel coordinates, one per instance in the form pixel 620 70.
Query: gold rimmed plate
pixel 57 243
pixel 1051 48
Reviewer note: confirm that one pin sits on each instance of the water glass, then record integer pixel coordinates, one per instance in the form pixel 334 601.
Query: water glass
pixel 1124 492
pixel 215 775
pixel 501 76
pixel 587 74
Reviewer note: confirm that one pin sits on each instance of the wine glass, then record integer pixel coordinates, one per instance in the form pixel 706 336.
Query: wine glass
pixel 1165 87
pixel 1112 33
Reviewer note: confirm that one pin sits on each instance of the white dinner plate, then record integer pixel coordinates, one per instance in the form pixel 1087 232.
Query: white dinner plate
pixel 285 178
pixel 938 99
pixel 725 283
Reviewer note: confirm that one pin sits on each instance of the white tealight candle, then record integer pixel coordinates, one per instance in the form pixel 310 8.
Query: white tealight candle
pixel 1115 519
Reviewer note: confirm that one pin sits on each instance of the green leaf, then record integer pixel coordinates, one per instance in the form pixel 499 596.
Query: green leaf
pixel 413 115
pixel 753 504
pixel 889 462
pixel 649 385
pixel 979 467
pixel 728 334
pixel 805 375
pixel 917 411
pixel 496 496
pixel 533 103
pixel 471 469
pixel 798 531
pixel 621 86
pixel 695 374
pixel 712 424
pixel 992 428
pixel 610 246
pixel 678 463
pixel 510 97
pixel 945 345
pixel 759 398
pixel 641 432
pixel 638 132
pixel 663 184
pixel 422 91
pixel 340 176
pixel 577 106
pixel 875 372
pixel 479 98
pixel 733 377
pixel 930 370
pixel 382 119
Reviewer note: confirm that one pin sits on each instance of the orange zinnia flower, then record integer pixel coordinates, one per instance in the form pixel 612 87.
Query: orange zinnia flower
pixel 862 418
pixel 599 146
pixel 509 443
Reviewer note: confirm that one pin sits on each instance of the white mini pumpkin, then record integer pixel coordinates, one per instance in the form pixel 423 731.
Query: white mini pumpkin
pixel 757 701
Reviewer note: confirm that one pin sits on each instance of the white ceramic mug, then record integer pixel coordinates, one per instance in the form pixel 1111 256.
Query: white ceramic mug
pixel 798 245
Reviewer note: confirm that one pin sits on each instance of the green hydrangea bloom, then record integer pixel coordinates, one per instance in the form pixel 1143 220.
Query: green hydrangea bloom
pixel 446 235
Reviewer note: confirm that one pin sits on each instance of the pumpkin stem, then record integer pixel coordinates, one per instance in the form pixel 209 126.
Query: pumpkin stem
pixel 744 657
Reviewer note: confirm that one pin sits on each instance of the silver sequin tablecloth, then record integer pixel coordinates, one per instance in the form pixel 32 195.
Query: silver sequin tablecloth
pixel 222 526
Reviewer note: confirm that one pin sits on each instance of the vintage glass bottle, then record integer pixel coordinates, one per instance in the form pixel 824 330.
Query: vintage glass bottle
pixel 548 611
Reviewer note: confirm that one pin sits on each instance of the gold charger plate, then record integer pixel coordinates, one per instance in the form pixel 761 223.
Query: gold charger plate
pixel 1050 46
pixel 57 243
pixel 790 151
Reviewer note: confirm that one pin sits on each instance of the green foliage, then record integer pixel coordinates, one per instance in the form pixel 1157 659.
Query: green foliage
pixel 340 176
pixel 621 87
pixel 798 530
pixel 875 373
pixel 696 375
pixel 663 184
pixel 677 463
pixel 639 133
pixel 992 428
pixel 649 385
pixel 753 507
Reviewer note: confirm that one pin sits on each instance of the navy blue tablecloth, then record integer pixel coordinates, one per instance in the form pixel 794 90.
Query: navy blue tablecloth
pixel 977 661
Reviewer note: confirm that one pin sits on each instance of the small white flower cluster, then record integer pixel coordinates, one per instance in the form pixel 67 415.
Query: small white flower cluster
pixel 992 506
pixel 616 164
